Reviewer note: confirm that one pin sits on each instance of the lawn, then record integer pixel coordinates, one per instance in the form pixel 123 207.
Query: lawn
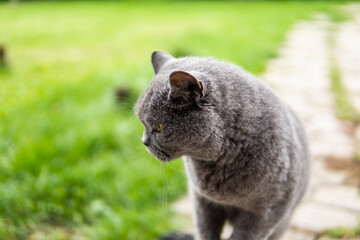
pixel 71 160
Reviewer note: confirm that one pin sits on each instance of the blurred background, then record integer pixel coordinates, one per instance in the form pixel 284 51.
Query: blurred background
pixel 72 165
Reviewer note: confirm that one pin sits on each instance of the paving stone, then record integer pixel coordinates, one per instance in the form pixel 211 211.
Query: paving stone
pixel 183 206
pixel 347 238
pixel 297 235
pixel 342 196
pixel 318 217
pixel 357 134
pixel 228 229
pixel 321 176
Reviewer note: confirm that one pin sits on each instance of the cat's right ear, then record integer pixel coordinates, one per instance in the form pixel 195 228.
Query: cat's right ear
pixel 158 58
pixel 185 89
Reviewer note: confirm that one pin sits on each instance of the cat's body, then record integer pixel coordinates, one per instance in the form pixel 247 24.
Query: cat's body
pixel 245 151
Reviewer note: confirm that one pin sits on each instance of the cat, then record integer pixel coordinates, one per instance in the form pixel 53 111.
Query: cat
pixel 245 151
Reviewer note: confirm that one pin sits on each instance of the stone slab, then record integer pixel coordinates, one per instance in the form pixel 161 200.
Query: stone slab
pixel 347 238
pixel 318 217
pixel 183 206
pixel 321 176
pixel 297 235
pixel 342 196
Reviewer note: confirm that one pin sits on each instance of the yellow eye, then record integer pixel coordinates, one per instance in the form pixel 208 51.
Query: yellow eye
pixel 159 128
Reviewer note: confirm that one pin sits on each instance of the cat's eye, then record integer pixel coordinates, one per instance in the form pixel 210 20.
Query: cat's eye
pixel 159 128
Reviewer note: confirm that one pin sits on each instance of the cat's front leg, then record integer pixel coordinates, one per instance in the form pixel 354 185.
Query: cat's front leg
pixel 249 226
pixel 209 218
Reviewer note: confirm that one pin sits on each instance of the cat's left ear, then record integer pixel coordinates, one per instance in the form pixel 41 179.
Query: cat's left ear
pixel 185 88
pixel 158 58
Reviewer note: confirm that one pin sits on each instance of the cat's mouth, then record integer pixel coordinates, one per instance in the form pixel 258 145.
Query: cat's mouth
pixel 159 154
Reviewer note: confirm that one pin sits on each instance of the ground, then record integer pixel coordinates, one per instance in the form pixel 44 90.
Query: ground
pixel 72 165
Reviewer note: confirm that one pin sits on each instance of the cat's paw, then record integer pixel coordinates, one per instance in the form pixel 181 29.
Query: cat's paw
pixel 176 236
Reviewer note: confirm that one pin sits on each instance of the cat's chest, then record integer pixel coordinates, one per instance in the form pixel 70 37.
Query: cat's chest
pixel 223 184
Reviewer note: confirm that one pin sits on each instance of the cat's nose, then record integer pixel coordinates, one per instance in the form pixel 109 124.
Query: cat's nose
pixel 145 139
pixel 146 142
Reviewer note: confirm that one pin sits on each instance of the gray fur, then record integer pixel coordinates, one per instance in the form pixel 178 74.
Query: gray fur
pixel 245 151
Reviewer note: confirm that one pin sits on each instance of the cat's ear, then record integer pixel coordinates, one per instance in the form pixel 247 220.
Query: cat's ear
pixel 185 88
pixel 158 58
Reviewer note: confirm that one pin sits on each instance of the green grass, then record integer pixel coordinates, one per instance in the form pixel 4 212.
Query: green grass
pixel 339 15
pixel 344 108
pixel 71 159
pixel 343 233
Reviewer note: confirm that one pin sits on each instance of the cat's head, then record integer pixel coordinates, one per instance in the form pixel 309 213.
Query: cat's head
pixel 175 111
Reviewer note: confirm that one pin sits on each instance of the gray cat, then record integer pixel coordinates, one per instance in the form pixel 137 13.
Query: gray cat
pixel 245 151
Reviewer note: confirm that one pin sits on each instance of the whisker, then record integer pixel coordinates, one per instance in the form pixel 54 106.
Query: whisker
pixel 164 200
pixel 167 182
pixel 173 168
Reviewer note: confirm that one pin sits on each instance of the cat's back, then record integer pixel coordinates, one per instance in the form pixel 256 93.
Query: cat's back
pixel 218 69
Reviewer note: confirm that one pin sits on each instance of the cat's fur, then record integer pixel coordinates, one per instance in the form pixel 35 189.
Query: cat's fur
pixel 245 151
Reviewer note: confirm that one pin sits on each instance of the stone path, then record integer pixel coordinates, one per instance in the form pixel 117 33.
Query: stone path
pixel 347 55
pixel 300 75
